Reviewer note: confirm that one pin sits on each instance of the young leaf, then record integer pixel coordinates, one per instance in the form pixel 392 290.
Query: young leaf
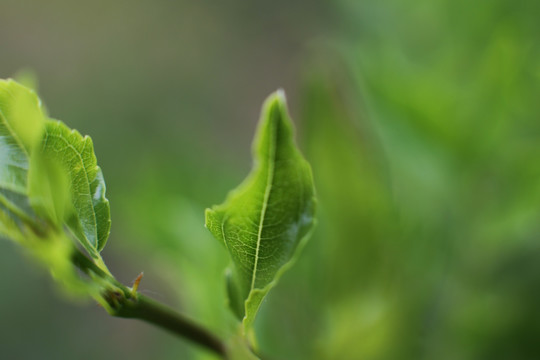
pixel 90 221
pixel 36 184
pixel 39 160
pixel 22 114
pixel 49 189
pixel 21 128
pixel 264 222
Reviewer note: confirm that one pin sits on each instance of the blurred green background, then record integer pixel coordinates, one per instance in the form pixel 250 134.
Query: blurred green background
pixel 421 120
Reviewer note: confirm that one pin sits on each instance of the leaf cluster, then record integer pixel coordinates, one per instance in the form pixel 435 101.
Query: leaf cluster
pixel 51 190
pixel 52 201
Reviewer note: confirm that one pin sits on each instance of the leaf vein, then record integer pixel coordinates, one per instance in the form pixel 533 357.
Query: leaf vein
pixel 79 154
pixel 267 190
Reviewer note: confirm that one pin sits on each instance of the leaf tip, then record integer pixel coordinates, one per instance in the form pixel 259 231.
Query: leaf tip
pixel 214 222
pixel 280 93
pixel 207 214
pixel 277 99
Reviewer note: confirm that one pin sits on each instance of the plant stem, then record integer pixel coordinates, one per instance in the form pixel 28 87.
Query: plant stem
pixel 126 304
pixel 146 309
pixel 87 266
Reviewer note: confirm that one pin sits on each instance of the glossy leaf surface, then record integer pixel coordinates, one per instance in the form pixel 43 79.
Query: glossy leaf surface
pixel 48 171
pixel 91 222
pixel 264 222
pixel 21 127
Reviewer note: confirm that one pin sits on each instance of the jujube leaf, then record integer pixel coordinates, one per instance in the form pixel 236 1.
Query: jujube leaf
pixel 91 219
pixel 265 221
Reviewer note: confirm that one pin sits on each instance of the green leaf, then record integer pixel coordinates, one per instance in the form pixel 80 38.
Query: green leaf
pixel 266 220
pixel 35 195
pixel 90 221
pixel 22 114
pixel 49 189
pixel 21 128
pixel 45 164
pixel 40 159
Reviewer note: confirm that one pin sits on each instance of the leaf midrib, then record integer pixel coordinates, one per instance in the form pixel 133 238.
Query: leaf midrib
pixel 268 189
pixel 70 146
pixel 13 134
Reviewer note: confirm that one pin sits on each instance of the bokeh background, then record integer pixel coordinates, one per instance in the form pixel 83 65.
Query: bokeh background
pixel 421 120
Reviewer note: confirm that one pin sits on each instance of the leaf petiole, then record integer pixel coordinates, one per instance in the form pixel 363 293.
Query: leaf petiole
pixel 127 303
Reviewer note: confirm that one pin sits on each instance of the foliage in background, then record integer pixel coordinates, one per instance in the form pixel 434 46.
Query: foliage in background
pixel 424 143
pixel 420 120
pixel 50 182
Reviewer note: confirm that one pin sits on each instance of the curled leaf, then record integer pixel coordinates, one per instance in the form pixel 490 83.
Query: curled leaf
pixel 48 172
pixel 90 221
pixel 21 129
pixel 265 221
pixel 42 188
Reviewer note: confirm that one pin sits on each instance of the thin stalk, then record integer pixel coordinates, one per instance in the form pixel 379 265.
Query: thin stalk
pixel 129 304
pixel 146 309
